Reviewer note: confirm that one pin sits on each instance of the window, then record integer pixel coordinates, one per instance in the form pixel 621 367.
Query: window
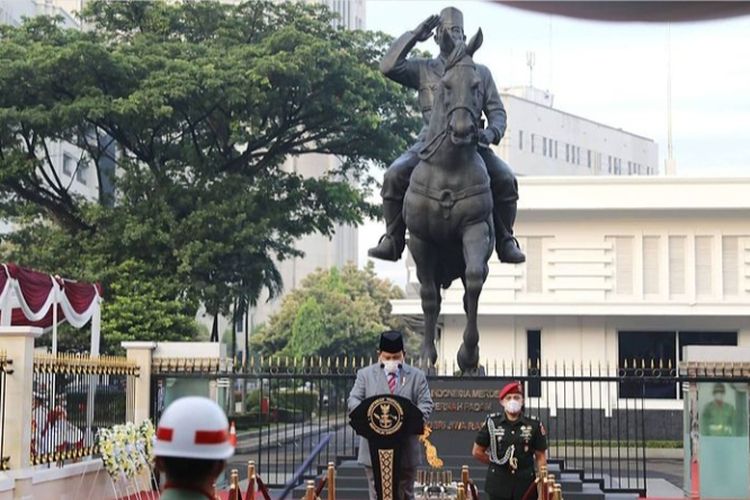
pixel 68 164
pixel 650 264
pixel 705 338
pixel 534 360
pixel 520 140
pixel 82 173
pixel 676 265
pixel 532 142
pixel 623 264
pixel 730 269
pixel 589 158
pixel 703 265
pixel 578 155
pixel 555 149
pixel 637 349
pixel 609 161
pixel 544 146
pixel 534 265
pixel 567 152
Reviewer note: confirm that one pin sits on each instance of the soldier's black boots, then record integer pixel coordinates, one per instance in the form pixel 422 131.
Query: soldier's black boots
pixel 506 245
pixel 392 243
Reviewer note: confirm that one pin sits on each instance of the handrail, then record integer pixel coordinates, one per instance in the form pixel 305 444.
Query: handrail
pixel 294 481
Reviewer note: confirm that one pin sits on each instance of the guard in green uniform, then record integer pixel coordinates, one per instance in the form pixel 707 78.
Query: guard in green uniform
pixel 510 443
pixel 191 449
pixel 718 417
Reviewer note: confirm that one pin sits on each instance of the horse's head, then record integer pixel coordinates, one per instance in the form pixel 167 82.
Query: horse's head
pixel 460 90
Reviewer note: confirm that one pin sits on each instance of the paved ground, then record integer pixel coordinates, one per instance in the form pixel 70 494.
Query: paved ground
pixel 668 469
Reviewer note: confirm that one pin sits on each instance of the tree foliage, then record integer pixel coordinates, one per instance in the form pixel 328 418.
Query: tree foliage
pixel 335 312
pixel 202 103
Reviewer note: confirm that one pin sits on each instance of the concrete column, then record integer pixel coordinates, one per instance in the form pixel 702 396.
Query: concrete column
pixel 139 397
pixel 18 342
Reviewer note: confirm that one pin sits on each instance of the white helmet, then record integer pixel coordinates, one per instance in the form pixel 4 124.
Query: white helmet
pixel 193 427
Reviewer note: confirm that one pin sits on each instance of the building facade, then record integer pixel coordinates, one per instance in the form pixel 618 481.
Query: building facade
pixel 618 270
pixel 543 140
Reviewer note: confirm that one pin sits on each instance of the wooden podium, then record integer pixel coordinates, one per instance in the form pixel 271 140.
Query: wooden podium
pixel 386 421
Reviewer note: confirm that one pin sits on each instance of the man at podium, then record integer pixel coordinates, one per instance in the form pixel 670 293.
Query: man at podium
pixel 392 376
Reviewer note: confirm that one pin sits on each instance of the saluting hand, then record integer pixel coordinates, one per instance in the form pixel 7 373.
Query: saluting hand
pixel 424 31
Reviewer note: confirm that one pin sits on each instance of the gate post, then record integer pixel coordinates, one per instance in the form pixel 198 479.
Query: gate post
pixel 139 397
pixel 18 342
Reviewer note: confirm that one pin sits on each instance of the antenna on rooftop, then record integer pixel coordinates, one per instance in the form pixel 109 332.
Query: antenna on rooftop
pixel 670 164
pixel 530 61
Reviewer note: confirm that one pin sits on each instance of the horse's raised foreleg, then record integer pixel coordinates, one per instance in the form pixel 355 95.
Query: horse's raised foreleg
pixel 477 247
pixel 425 256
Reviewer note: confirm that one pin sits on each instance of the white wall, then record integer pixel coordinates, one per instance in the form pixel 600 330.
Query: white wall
pixel 572 229
pixel 581 303
pixel 529 118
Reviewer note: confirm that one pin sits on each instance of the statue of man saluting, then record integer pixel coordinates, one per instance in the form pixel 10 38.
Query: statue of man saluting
pixel 424 75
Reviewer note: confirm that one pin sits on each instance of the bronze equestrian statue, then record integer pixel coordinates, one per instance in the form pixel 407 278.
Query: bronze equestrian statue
pixel 452 192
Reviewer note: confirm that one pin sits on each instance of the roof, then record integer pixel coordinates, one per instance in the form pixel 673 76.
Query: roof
pixel 628 193
pixel 506 95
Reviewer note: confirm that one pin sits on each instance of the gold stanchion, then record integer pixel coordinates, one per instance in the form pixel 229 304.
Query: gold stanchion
pixel 465 476
pixel 461 494
pixel 234 486
pixel 310 490
pixel 251 479
pixel 331 481
pixel 557 492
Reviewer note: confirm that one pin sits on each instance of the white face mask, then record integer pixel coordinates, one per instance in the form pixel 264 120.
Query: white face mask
pixel 719 397
pixel 391 366
pixel 513 406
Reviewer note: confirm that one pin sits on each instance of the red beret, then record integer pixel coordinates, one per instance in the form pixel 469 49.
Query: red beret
pixel 512 388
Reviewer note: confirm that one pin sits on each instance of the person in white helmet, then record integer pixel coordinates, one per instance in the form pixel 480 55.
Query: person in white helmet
pixel 191 449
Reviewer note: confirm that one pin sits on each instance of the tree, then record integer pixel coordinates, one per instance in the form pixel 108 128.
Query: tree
pixel 203 103
pixel 335 312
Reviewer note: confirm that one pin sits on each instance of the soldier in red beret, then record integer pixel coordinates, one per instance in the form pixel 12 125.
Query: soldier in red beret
pixel 510 443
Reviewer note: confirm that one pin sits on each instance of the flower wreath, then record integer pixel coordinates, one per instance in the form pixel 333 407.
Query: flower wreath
pixel 126 449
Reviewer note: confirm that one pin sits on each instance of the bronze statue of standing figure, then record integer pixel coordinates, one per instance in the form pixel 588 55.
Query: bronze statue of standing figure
pixel 457 198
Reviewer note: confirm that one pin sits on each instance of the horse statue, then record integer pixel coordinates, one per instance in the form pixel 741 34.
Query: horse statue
pixel 448 206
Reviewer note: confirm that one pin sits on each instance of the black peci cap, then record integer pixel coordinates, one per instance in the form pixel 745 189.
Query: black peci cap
pixel 391 341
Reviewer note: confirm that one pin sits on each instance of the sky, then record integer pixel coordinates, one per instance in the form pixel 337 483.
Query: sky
pixel 613 73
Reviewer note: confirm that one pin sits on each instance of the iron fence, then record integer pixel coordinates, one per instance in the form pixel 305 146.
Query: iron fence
pixel 73 397
pixel 599 419
pixel 5 369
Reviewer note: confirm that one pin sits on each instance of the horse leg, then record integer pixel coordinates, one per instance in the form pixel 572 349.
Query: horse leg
pixel 477 247
pixel 426 257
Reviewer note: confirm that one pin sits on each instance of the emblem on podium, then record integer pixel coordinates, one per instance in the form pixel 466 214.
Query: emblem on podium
pixel 385 416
